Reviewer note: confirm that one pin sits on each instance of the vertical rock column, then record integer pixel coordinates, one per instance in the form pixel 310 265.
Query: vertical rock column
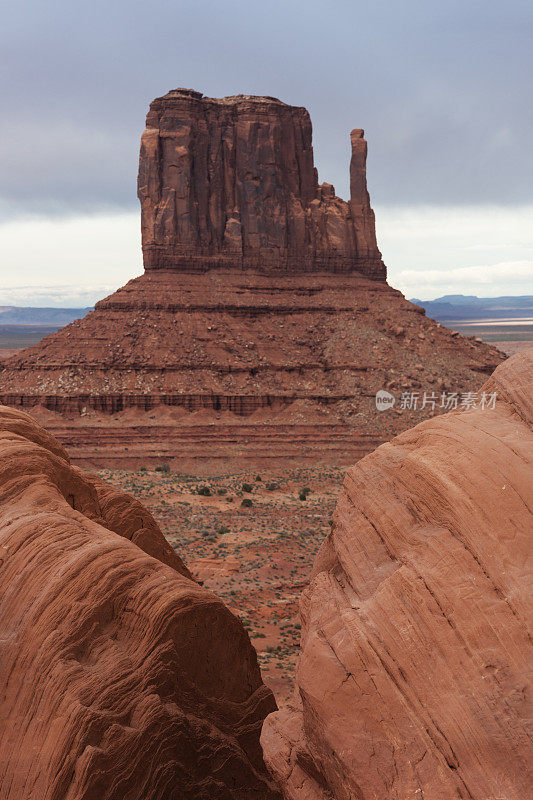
pixel 363 218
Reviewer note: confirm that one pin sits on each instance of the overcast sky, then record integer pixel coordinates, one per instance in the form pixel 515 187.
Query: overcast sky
pixel 442 89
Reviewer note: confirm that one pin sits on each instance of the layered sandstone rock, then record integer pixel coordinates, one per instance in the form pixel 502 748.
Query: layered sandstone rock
pixel 239 342
pixel 413 678
pixel 262 289
pixel 231 183
pixel 121 677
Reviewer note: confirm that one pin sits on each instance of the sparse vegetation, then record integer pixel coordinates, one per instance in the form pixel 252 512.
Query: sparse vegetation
pixel 260 550
pixel 163 468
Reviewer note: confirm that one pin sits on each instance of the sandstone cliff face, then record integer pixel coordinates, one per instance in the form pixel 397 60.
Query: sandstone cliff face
pixel 231 183
pixel 121 677
pixel 412 681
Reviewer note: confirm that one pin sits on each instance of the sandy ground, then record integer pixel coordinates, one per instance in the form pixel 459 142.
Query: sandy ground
pixel 258 559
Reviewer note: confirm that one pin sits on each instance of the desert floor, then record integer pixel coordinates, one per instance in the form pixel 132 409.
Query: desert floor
pixel 256 557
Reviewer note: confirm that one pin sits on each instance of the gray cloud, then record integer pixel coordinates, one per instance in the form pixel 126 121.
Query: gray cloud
pixel 442 89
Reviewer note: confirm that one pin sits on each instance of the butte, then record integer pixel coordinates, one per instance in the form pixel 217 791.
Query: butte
pixel 263 324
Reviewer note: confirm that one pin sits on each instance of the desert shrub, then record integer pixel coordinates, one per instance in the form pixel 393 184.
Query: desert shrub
pixel 247 487
pixel 222 529
pixel 163 468
pixel 143 469
pixel 258 478
pixel 221 491
pixel 205 491
pixel 302 496
pixel 246 503
pixel 272 486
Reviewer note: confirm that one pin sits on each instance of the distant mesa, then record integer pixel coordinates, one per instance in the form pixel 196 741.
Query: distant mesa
pixel 31 315
pixel 470 307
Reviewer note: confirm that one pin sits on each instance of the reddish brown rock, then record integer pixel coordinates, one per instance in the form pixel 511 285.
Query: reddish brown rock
pixel 231 183
pixel 413 679
pixel 126 380
pixel 262 291
pixel 121 677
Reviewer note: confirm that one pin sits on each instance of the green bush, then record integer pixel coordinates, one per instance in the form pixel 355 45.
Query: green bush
pixel 258 478
pixel 222 529
pixel 246 503
pixel 302 496
pixel 272 486
pixel 163 468
pixel 221 491
pixel 205 491
pixel 247 487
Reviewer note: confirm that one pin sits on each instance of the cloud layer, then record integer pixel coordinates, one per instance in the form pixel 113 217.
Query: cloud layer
pixel 440 88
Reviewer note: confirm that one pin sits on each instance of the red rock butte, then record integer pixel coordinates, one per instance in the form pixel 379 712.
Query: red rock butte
pixel 231 183
pixel 263 305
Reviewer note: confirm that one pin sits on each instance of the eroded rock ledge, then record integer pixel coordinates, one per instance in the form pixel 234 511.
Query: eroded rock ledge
pixel 413 680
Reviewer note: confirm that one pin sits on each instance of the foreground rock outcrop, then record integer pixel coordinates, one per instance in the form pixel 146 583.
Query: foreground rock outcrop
pixel 121 677
pixel 413 678
pixel 261 290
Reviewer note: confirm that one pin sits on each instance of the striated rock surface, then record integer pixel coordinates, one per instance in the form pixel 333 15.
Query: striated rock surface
pixel 121 677
pixel 413 679
pixel 231 183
